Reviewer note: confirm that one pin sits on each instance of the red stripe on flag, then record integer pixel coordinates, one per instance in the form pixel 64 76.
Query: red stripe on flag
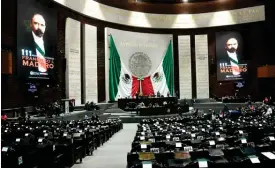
pixel 147 86
pixel 135 86
pixel 42 62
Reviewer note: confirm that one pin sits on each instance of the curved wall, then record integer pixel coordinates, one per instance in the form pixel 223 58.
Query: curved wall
pixel 255 32
pixel 12 89
pixel 180 8
pixel 106 13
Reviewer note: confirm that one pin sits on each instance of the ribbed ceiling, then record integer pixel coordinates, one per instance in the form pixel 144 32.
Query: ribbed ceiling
pixel 172 1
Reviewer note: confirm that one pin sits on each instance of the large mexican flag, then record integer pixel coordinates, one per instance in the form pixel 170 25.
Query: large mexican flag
pixel 122 83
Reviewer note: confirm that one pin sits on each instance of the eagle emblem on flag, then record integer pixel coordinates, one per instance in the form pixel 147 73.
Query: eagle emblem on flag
pixel 157 77
pixel 126 79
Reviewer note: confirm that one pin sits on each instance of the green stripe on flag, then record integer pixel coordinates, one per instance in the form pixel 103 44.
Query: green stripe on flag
pixel 114 70
pixel 234 61
pixel 168 68
pixel 39 49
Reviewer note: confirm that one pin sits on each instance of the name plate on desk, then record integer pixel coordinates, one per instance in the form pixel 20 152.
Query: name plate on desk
pixel 269 155
pixel 178 145
pixel 154 150
pixel 271 138
pixel 254 159
pixel 188 148
pixel 243 140
pixel 202 163
pixel 147 164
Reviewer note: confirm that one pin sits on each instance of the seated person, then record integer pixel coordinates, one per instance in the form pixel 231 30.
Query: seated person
pixel 270 101
pixel 71 107
pixel 268 112
pixel 86 107
pixel 141 105
pixel 185 102
pixel 179 109
pixel 156 105
pixel 265 101
pixel 196 113
pixel 225 109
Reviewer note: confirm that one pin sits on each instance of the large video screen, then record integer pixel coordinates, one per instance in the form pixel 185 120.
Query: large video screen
pixel 229 54
pixel 36 39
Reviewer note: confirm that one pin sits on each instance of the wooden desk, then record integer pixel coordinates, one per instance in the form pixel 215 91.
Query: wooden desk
pixel 122 103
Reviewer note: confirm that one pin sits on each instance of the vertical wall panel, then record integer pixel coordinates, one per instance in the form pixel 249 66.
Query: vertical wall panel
pixel 185 78
pixel 90 64
pixel 202 68
pixel 73 57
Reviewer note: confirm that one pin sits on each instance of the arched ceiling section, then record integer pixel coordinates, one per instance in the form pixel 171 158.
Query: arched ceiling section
pixel 107 13
pixel 190 7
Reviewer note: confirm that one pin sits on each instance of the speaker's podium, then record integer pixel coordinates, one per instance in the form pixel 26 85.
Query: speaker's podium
pixel 185 108
pixel 66 105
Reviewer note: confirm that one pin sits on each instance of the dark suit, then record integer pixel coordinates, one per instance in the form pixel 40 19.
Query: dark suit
pixel 27 42
pixel 224 58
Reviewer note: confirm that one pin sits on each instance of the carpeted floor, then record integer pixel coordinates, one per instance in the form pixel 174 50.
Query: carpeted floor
pixel 113 154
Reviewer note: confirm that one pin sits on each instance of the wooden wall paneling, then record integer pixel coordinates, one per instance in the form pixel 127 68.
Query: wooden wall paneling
pixel 101 64
pixel 12 89
pixel 6 62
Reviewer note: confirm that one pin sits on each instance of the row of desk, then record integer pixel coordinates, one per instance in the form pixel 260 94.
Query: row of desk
pixel 122 103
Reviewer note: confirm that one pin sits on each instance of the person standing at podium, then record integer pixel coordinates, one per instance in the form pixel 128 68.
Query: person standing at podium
pixel 158 94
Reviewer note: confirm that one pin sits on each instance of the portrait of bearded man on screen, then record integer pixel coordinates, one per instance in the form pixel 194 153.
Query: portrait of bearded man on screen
pixel 36 41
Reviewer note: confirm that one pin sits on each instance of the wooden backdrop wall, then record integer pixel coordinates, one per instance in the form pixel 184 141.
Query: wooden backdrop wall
pixel 14 94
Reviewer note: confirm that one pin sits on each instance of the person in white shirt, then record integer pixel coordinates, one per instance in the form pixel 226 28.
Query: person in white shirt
pixel 268 112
